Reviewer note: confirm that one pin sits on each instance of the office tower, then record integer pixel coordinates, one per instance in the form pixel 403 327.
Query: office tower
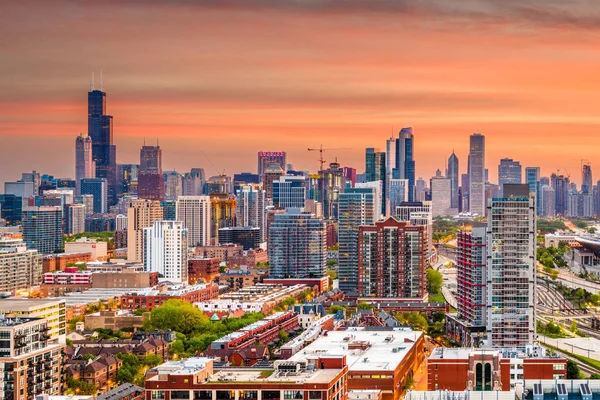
pixel 33 177
pixel 418 213
pixel 560 184
pixel 246 178
pixel 150 176
pixel 532 178
pixel 580 205
pixel 477 174
pixel 85 167
pixel 173 185
pixel 464 189
pixel 193 182
pixel 350 175
pixel 248 237
pixel 357 207
pixel 596 194
pixel 441 197
pixel 544 180
pixel 169 210
pixel 453 174
pixel 509 171
pixel 377 186
pixel 194 212
pixel 121 222
pixel 24 190
pixel 88 201
pixel 511 268
pixel 127 177
pixel 289 192
pixel 390 167
pixel 332 184
pixel 141 214
pixel 405 162
pixel 548 202
pixel 58 197
pixel 586 178
pixel 104 152
pixel 97 187
pixel 43 228
pixel 420 191
pixel 165 250
pixel 397 193
pixel 222 212
pixel 251 209
pixel 491 191
pixel 297 245
pixel 20 267
pixel 74 219
pixel 11 208
pixel 271 174
pixel 268 158
pixel 375 170
pixel 471 256
pixel 392 260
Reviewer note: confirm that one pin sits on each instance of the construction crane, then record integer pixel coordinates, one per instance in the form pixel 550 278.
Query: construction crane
pixel 321 150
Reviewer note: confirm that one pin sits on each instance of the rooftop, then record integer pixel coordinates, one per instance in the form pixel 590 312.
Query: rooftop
pixel 463 353
pixel 13 304
pixel 370 350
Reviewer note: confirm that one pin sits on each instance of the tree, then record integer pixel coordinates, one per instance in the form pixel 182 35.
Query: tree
pixel 80 387
pixel 283 336
pixel 177 347
pixel 151 360
pixel 334 309
pixel 88 356
pixel 594 376
pixel 435 280
pixel 124 375
pixel 573 371
pixel 438 316
pixel 178 316
pixel 139 312
pixel 365 306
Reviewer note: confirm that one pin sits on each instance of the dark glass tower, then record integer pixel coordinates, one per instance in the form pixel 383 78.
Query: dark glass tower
pixel 104 152
pixel 405 162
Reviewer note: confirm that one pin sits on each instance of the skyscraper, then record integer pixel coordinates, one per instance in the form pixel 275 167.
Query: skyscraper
pixel 141 214
pixel 271 174
pixel 96 187
pixel 165 250
pixel 405 162
pixel 375 170
pixel 477 174
pixel 150 176
pixel 357 207
pixel 268 158
pixel 289 191
pixel 586 179
pixel 511 268
pixel 392 260
pixel 173 182
pixel 85 167
pixel 194 212
pixel 560 184
pixel 397 193
pixel 74 218
pixel 532 177
pixel 509 171
pixel 193 182
pixel 441 197
pixel 332 184
pixel 100 130
pixel 251 209
pixel 453 174
pixel 43 228
pixel 548 202
pixel 297 245
pixel 418 213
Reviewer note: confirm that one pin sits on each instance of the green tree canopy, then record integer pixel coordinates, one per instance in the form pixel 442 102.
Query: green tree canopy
pixel 573 371
pixel 179 316
pixel 435 280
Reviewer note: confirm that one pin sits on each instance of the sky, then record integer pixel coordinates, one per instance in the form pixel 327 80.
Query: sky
pixel 216 81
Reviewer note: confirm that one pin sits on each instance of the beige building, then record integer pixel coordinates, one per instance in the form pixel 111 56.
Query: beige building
pixel 53 310
pixel 115 319
pixel 97 249
pixel 125 278
pixel 20 268
pixel 140 215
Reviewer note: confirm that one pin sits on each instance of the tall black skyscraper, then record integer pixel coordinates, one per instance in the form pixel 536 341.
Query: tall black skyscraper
pixel 100 129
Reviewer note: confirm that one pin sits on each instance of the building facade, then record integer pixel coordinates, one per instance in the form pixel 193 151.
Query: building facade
pixel 96 187
pixel 141 214
pixel 268 158
pixel 43 228
pixel 85 167
pixel 194 212
pixel 165 250
pixel 453 173
pixel 477 174
pixel 251 209
pixel 289 191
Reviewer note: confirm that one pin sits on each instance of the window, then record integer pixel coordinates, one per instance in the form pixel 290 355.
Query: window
pixel 315 395
pixel 436 377
pixel 558 367
pixel 292 395
pixel 436 367
pixel 157 395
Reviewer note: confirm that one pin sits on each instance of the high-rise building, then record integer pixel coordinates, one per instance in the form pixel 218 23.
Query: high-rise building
pixel 222 212
pixel 420 190
pixel 121 222
pixel 194 212
pixel 509 171
pixel 375 170
pixel 20 189
pixel 20 267
pixel 271 174
pixel 357 207
pixel 586 178
pixel 560 184
pixel 58 197
pixel 43 228
pixel 141 214
pixel 297 245
pixel 405 162
pixel 127 177
pixel 464 192
pixel 104 152
pixel 96 187
pixel 532 177
pixel 477 174
pixel 193 182
pixel 248 237
pixel 251 209
pixel 173 185
pixel 397 193
pixel 441 197
pixel 392 259
pixel 11 208
pixel 33 177
pixel 169 210
pixel 268 158
pixel 418 213
pixel 289 191
pixel 580 205
pixel 74 218
pixel 150 176
pixel 453 174
pixel 332 184
pixel 88 201
pixel 165 250
pixel 85 167
pixel 511 268
pixel 350 175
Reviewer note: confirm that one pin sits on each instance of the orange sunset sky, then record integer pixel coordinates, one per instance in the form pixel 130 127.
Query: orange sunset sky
pixel 230 78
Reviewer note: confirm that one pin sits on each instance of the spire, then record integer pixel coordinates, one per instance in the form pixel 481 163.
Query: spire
pixel 100 80
pixel 92 83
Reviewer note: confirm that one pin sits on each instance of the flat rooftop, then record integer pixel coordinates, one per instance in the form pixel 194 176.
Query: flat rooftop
pixel 17 304
pixel 463 353
pixel 383 350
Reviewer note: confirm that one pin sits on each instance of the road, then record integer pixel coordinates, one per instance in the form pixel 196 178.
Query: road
pixel 449 274
pixel 576 346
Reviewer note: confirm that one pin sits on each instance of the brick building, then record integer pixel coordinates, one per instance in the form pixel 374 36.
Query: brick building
pixel 249 258
pixel 58 262
pixel 202 269
pixel 101 372
pixel 239 278
pixel 154 297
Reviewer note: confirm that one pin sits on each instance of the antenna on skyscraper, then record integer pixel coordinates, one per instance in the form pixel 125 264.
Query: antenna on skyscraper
pixel 92 82
pixel 101 80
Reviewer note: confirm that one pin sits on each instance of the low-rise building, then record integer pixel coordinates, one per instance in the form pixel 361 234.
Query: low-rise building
pixel 115 319
pixel 250 258
pixel 457 369
pixel 318 378
pixel 201 269
pixel 319 285
pixel 52 310
pixel 153 297
pixel 100 372
pixel 238 278
pixel 58 262
pixel 97 249
pixel 125 391
pixel 222 252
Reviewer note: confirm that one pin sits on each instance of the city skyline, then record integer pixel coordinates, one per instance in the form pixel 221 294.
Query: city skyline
pixel 303 87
